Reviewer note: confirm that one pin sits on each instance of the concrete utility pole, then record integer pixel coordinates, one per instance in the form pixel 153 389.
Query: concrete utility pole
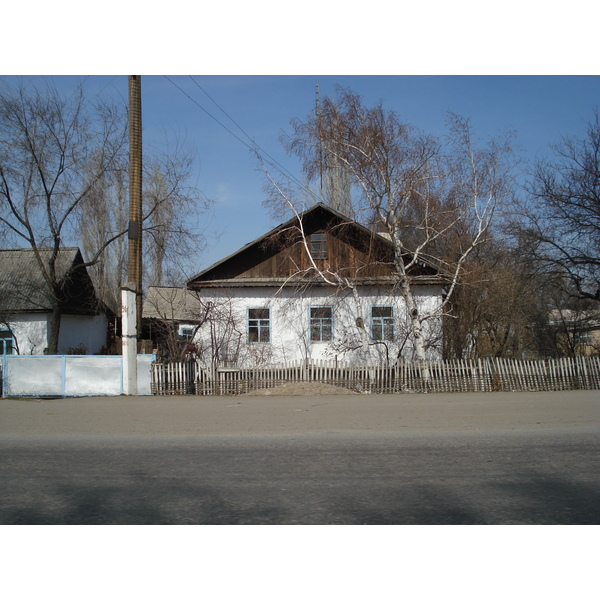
pixel 134 272
pixel 129 341
pixel 131 294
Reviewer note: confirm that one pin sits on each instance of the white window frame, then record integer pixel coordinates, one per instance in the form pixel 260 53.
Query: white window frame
pixel 583 338
pixel 188 337
pixel 319 321
pixel 259 325
pixel 383 322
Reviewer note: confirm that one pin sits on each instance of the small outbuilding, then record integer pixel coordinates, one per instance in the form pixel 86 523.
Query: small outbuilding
pixel 26 304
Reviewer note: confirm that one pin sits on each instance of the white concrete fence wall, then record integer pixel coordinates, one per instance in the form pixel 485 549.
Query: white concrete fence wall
pixel 66 375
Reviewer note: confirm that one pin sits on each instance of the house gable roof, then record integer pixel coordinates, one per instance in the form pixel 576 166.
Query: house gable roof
pixel 23 288
pixel 172 304
pixel 263 261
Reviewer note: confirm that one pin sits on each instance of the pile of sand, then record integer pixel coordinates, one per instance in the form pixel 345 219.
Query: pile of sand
pixel 302 388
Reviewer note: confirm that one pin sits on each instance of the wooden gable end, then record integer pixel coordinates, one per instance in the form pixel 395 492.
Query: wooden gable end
pixel 289 251
pixel 336 249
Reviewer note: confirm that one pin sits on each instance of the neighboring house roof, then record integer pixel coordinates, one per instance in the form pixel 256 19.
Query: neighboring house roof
pixel 269 260
pixel 23 288
pixel 172 304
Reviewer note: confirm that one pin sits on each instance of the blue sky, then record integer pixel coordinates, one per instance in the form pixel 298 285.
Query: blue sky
pixel 540 109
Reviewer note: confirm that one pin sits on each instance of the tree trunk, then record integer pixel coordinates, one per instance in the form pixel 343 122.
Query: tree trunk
pixel 362 328
pixel 54 326
pixel 409 298
pixel 417 331
pixel 417 327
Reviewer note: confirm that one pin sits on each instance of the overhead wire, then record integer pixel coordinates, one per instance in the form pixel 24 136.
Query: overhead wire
pixel 253 146
pixel 222 110
pixel 206 112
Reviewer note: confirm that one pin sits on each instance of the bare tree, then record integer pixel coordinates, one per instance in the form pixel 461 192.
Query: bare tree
pixel 167 309
pixel 53 152
pixel 434 201
pixel 499 307
pixel 171 213
pixel 64 178
pixel 215 330
pixel 102 214
pixel 356 271
pixel 172 210
pixel 562 216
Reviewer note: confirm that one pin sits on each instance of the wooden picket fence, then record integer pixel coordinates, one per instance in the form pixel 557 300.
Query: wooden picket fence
pixel 480 375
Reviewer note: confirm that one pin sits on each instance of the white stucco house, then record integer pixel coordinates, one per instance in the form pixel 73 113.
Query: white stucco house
pixel 319 286
pixel 578 331
pixel 26 305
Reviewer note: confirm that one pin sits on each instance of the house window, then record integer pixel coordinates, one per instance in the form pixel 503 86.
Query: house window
pixel 259 325
pixel 7 342
pixel 318 245
pixel 321 324
pixel 583 338
pixel 382 323
pixel 186 333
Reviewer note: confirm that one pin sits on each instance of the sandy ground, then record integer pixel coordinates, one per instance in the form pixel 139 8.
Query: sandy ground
pixel 303 388
pixel 271 414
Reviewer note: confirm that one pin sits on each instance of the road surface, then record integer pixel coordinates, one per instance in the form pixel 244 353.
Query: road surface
pixel 401 459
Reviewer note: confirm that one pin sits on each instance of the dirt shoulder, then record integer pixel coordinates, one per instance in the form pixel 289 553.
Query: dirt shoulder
pixel 269 414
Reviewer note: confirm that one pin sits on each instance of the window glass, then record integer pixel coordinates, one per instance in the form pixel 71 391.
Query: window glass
pixel 382 323
pixel 321 324
pixel 259 325
pixel 583 337
pixel 318 245
pixel 186 333
pixel 6 342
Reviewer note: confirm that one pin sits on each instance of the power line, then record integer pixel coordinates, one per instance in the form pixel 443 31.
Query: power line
pixel 222 110
pixel 254 147
pixel 207 113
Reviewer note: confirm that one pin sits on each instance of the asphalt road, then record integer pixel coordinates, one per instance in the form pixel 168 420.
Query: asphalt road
pixel 394 462
pixel 319 479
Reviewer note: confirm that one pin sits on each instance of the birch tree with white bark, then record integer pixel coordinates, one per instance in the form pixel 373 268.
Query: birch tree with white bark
pixel 435 199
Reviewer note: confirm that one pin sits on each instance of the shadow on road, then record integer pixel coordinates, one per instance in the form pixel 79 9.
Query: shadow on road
pixel 145 500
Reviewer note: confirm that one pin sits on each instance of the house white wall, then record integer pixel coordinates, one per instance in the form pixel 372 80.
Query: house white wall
pixel 289 325
pixel 31 332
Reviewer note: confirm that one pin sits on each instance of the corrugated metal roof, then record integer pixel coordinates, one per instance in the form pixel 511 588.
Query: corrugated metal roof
pixel 22 285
